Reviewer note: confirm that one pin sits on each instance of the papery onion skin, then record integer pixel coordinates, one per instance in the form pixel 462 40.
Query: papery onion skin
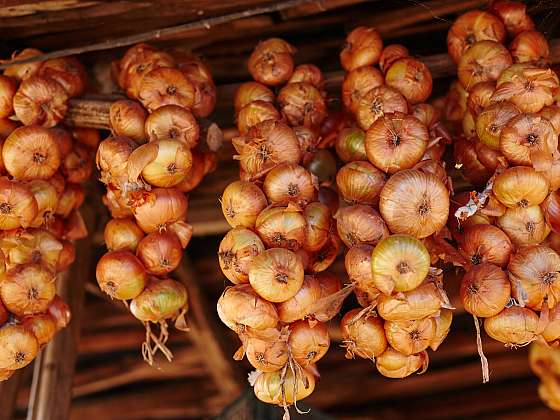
pixel 127 119
pixel 276 274
pixel 415 203
pixel 256 112
pixel 67 256
pixel 299 306
pixel 289 183
pixel 269 385
pixel 357 262
pixel 121 275
pixel 240 307
pixel 60 311
pixel 551 209
pixel 530 47
pixel 443 325
pixel 242 202
pixel 170 166
pixel 161 299
pixel 318 226
pixel 282 227
pixel 308 343
pixel 251 91
pixel 390 54
pixel 165 86
pixel 395 142
pixel 514 326
pixel 470 27
pixel 18 347
pixel 534 272
pixel 421 302
pixel 357 83
pixel 18 207
pixel 393 364
pixel 122 235
pixel 362 48
pixel 480 96
pixel 40 101
pixel 485 290
pixel 484 61
pixel 378 102
pixel 486 244
pixel 491 121
pixel 135 72
pixel 410 337
pixel 350 145
pixel 399 263
pixel 172 122
pixel 524 225
pixel 160 252
pixel 520 186
pixel 302 104
pixel 410 77
pixel 360 224
pixel 360 183
pixel 169 206
pixel 43 327
pixel 112 158
pixel 363 337
pixel 68 72
pixel 237 250
pixel 23 71
pixel 266 351
pixel 471 168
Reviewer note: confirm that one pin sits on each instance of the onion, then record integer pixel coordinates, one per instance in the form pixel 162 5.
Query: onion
pixel 8 88
pixel 47 199
pixel 483 61
pixel 121 275
pixel 276 274
pixel 317 226
pixel 165 86
pixel 27 289
pixel 350 145
pixel 43 327
pixel 308 140
pixel 18 347
pixel 552 331
pixel 360 183
pixel 271 62
pixel 358 267
pixel 552 114
pixel 289 183
pixel 529 47
pixel 395 142
pixel 308 73
pixel 161 299
pixel 410 77
pixel 202 163
pixel 240 307
pixel 514 326
pixel 456 102
pixel 534 274
pixel 485 244
pixel 399 263
pixel 163 163
pixel 435 168
pixel 513 14
pixel 127 119
pixel 266 350
pixel 415 203
pixel 67 256
pixel 204 88
pixel 378 102
pixel 160 252
pixel 168 206
pixel 321 260
pixel 360 224
pixel 282 227
pixel 471 168
pixel 491 159
pixel 362 48
pixel 40 101
pixel 443 325
pixel 23 71
pixel 323 166
pixel 308 344
pixel 357 83
pixel 520 187
pixel 35 246
pixel 485 290
pixel 116 204
pixel 133 73
pixel 71 198
pixel 471 27
pixel 172 122
pixel 410 337
pixel 60 311
pixel 77 166
pixel 276 388
pixel 256 112
pixel 362 336
pixel 238 249
pixel 394 364
pixel 249 92
pixel 18 207
pixel 469 125
pixel 422 302
pixel 492 120
pixel 112 158
pixel 242 202
pixel 302 104
pixel 390 54
pixel 480 96
pixel 31 153
pixel 551 210
pixel 300 305
pixel 67 71
pixel 266 145
pixel 524 225
pixel 122 235
pixel 329 198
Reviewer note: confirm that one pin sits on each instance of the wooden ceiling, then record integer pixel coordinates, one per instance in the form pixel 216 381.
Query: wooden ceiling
pixel 111 381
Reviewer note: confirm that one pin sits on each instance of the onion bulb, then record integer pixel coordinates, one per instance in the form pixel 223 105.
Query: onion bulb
pixel 167 207
pixel 483 61
pixel 360 183
pixel 364 336
pixel 282 227
pixel 271 62
pixel 399 263
pixel 513 14
pixel 411 78
pixel 530 47
pixel 551 209
pixel 443 325
pixel 524 225
pixel 36 246
pixel 415 203
pixel 122 235
pixel 256 112
pixel 276 274
pixel 18 207
pixel 301 304
pixel 237 250
pixel 378 102
pixel 485 243
pixel 350 144
pixel 161 299
pixel 390 54
pixel 112 159
pixel 308 344
pixel 360 224
pixel 276 388
pixel 173 122
pixel 421 302
pixel 67 256
pixel 160 252
pixel 456 102
pixel 43 327
pixel 480 97
pixel 18 347
pixel 27 289
pixel 242 202
pixel 307 73
pixel 520 187
pixel 121 275
pixel 357 83
pixel 249 92
pixel 289 183
pixel 317 226
pixel 410 337
pixel 165 86
pixel 552 331
pixel 40 101
pixel 8 88
pixel 534 272
pixel 491 121
pixel 68 72
pixel 302 104
pixel 240 307
pixel 127 118
pixel 485 290
pixel 357 262
pixel 514 326
pixel 362 48
pixel 394 364
pixel 266 350
pixel 60 311
pixel 46 197
pixel 23 71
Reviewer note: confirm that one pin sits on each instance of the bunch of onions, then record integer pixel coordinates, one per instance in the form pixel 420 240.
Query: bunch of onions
pixel 153 158
pixel 545 363
pixel 281 211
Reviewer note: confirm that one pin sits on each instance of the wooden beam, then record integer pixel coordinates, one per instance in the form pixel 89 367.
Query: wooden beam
pixel 51 390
